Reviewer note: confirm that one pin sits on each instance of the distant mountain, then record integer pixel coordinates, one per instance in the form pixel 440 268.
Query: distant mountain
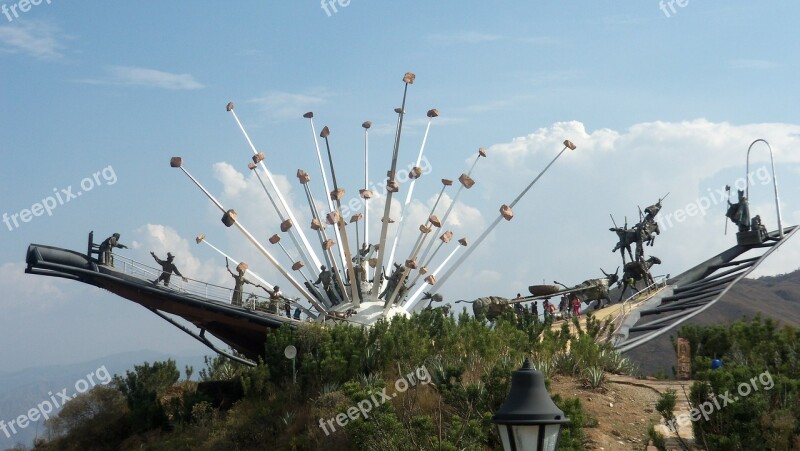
pixel 21 391
pixel 776 297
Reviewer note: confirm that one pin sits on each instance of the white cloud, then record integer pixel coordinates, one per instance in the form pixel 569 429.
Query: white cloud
pixel 287 105
pixel 162 239
pixel 560 229
pixel 40 40
pixel 20 288
pixel 140 76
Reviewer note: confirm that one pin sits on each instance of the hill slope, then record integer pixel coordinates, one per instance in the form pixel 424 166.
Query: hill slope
pixel 776 297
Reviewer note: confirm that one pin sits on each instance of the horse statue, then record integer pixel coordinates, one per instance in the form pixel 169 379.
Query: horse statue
pixel 626 238
pixel 635 271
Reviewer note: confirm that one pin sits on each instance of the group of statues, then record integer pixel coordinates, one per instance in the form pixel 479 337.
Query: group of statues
pixel 641 234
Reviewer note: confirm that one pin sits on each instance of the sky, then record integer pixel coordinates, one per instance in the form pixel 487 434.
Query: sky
pixel 98 96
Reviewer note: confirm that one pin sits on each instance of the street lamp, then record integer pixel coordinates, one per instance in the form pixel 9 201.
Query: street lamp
pixel 529 420
pixel 290 353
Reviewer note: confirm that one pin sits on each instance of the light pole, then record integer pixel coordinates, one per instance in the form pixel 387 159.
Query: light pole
pixel 529 420
pixel 290 353
pixel 774 181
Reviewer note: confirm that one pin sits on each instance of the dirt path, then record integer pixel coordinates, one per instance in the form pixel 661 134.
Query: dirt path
pixel 624 408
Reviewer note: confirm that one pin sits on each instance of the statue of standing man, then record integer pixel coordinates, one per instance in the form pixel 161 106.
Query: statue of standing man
pixel 167 268
pixel 106 257
pixel 739 213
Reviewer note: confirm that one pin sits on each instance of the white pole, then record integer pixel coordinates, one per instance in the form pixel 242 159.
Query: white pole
pixel 567 145
pixel 285 205
pixel 176 162
pixel 431 114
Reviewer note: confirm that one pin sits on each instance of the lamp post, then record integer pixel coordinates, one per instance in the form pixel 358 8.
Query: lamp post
pixel 290 353
pixel 774 181
pixel 529 420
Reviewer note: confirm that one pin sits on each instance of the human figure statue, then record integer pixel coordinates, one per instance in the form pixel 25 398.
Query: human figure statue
pixel 167 268
pixel 326 278
pixel 296 314
pixel 535 310
pixel 106 257
pixel 739 213
pixel 240 280
pixel 398 277
pixel 274 297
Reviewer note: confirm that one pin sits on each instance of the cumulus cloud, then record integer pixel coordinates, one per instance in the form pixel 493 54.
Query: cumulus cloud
pixel 560 228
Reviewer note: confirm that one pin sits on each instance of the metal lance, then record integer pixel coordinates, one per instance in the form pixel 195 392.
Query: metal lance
pixel 408 79
pixel 341 225
pixel 365 193
pixel 413 301
pixel 505 213
pixel 424 229
pixel 285 206
pixel 202 239
pixel 462 179
pixel 414 174
pixel 254 168
pixel 310 117
pixel 229 218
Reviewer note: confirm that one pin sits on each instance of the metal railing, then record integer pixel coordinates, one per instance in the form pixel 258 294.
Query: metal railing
pixel 204 290
pixel 635 300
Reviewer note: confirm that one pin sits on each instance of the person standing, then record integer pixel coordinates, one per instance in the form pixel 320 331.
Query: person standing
pixel 167 268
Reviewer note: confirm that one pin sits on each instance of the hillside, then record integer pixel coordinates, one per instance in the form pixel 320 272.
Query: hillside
pixel 776 297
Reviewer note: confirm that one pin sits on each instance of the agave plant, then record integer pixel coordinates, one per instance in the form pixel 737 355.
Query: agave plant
pixel 543 365
pixel 288 418
pixel 594 377
pixel 371 380
pixel 564 363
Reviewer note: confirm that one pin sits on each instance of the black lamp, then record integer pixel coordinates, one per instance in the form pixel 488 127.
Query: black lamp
pixel 529 420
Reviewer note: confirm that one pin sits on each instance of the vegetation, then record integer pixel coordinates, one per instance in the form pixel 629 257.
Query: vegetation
pixel 449 375
pixel 753 400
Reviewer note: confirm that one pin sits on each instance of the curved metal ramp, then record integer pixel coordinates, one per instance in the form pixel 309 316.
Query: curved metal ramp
pixel 694 291
pixel 206 306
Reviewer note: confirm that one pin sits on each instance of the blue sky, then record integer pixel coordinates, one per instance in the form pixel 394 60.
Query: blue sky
pixel 656 104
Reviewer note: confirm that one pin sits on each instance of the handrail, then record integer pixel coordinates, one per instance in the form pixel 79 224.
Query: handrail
pixel 659 283
pixel 198 288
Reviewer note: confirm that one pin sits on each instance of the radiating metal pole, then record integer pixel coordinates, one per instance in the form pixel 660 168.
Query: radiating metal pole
pixel 417 173
pixel 342 226
pixel 414 299
pixel 283 202
pixel 310 117
pixel 481 154
pixel 446 276
pixel 366 125
pixel 408 79
pixel 300 248
pixel 202 239
pixel 177 162
pixel 423 236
